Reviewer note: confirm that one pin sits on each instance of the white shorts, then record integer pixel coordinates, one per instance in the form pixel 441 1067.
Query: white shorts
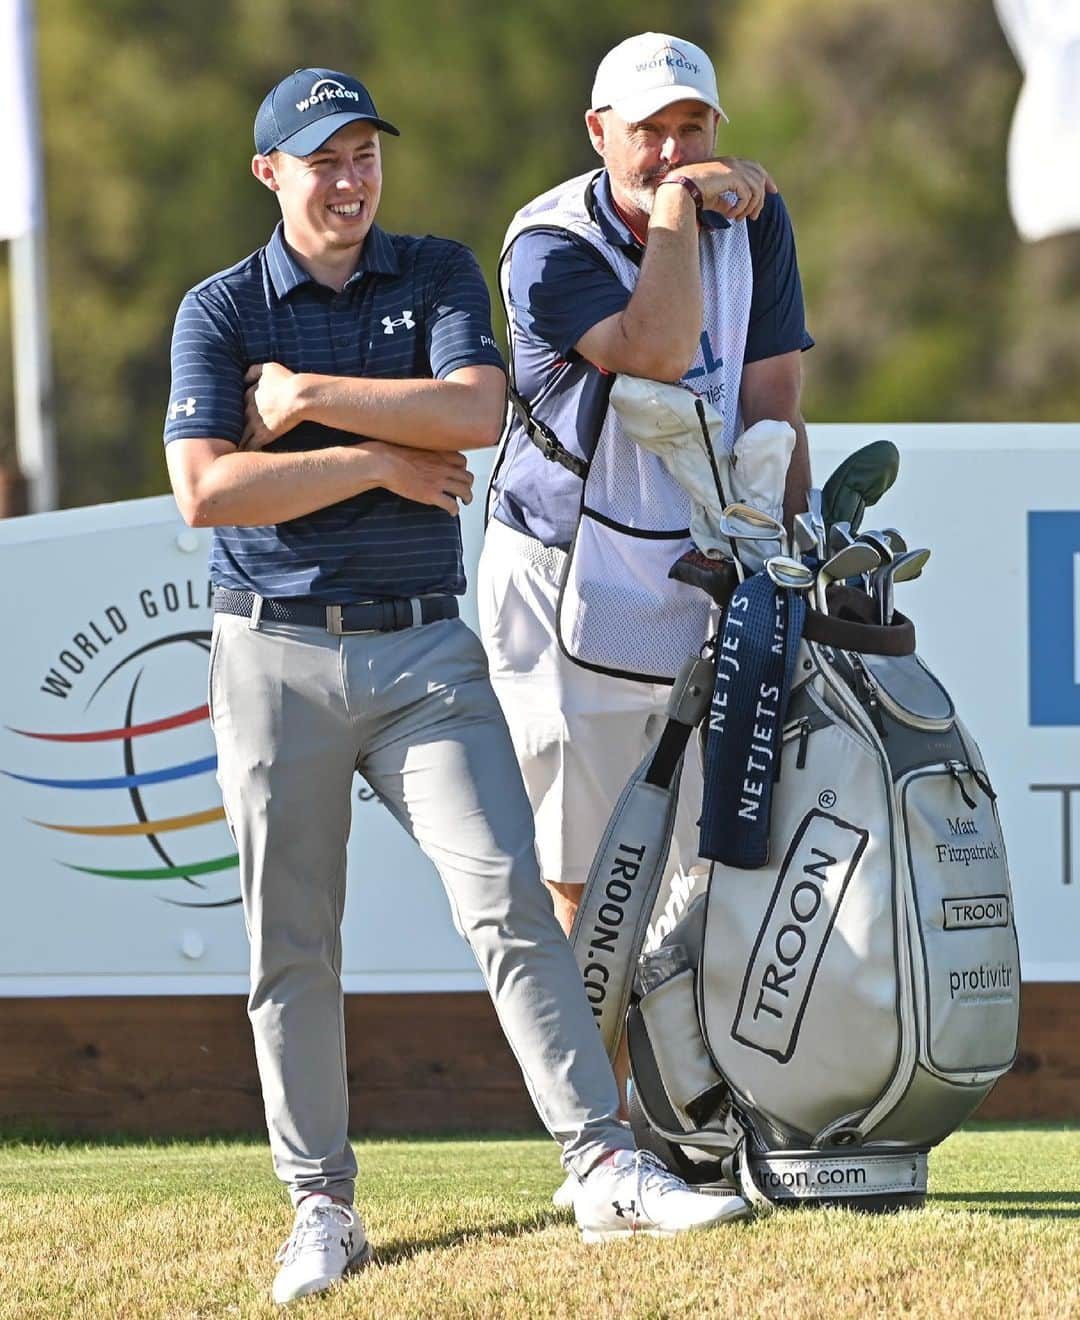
pixel 578 735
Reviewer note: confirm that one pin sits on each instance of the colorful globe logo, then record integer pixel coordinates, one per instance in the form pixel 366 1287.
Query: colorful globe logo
pixel 137 787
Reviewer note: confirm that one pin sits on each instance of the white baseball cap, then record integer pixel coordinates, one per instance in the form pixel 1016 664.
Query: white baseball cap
pixel 645 73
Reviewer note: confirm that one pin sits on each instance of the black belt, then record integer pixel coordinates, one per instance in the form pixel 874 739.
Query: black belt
pixel 369 616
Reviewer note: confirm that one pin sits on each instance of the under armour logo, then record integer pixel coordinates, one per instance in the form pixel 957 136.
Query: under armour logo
pixel 347 1243
pixel 625 1211
pixel 185 406
pixel 405 319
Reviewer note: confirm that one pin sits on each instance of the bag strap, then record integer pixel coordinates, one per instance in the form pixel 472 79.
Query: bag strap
pixel 544 438
pixel 613 917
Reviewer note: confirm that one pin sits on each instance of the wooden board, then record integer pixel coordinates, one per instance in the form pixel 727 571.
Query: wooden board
pixel 417 1063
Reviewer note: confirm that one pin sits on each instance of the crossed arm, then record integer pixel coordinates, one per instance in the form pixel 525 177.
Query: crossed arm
pixel 410 434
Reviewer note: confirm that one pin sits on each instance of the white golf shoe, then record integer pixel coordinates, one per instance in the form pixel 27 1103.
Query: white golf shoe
pixel 327 1242
pixel 563 1195
pixel 635 1193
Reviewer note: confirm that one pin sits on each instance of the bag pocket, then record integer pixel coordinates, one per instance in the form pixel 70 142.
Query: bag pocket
pixel 968 985
pixel 618 610
pixel 669 1011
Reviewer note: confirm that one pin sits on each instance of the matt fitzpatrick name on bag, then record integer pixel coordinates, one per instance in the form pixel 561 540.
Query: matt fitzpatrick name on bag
pixel 948 853
pixel 596 973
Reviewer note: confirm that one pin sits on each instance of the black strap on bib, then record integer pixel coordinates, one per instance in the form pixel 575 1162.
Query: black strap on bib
pixel 544 438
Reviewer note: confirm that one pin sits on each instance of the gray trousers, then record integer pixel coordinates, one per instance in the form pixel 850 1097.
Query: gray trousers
pixel 296 711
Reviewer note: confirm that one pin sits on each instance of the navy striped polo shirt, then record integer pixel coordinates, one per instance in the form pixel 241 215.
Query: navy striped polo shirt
pixel 414 308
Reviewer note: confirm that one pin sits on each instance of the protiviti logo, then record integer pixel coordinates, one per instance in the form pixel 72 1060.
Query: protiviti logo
pixel 113 755
pixel 672 57
pixel 326 89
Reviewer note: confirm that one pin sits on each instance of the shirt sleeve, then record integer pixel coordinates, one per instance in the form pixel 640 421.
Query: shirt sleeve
pixel 560 287
pixel 207 393
pixel 458 316
pixel 777 317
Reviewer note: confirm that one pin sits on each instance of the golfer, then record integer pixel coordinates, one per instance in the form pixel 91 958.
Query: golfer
pixel 323 391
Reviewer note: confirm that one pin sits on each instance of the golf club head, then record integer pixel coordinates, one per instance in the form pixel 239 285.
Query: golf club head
pixel 896 541
pixel 902 569
pixel 880 542
pixel 744 522
pixel 805 540
pixel 909 565
pixel 840 535
pixel 852 561
pixel 790 573
pixel 817 521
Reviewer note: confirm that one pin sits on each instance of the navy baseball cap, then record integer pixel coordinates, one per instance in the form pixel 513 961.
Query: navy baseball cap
pixel 309 106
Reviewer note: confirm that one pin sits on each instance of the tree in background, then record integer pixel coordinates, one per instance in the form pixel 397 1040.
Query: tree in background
pixel 884 125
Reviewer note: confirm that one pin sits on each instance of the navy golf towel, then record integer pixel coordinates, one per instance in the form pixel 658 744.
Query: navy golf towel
pixel 755 663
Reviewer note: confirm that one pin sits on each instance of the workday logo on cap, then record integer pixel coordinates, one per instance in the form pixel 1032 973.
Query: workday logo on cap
pixel 326 89
pixel 650 71
pixel 308 107
pixel 668 56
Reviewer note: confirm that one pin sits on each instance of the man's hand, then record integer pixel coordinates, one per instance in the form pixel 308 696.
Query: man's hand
pixel 270 404
pixel 440 478
pixel 748 180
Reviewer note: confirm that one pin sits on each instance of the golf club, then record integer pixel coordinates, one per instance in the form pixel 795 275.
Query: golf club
pixel 788 572
pixel 852 561
pixel 817 521
pixel 742 522
pixel 805 540
pixel 904 568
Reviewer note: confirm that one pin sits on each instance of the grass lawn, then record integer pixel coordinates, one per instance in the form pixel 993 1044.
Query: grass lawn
pixel 127 1231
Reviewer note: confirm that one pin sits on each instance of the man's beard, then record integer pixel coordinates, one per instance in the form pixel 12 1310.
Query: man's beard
pixel 640 189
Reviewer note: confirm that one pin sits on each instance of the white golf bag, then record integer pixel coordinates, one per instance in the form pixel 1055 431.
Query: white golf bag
pixel 808 1030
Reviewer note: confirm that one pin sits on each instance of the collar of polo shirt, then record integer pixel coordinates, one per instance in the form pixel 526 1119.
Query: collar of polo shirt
pixel 377 257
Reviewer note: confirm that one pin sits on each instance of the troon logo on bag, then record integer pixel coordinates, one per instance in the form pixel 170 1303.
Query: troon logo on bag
pixel 603 953
pixel 800 918
pixel 976 913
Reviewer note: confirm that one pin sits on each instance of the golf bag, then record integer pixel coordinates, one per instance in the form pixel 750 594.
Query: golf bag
pixel 808 1030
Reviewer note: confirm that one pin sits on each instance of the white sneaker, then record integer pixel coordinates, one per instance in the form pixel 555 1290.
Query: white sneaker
pixel 327 1241
pixel 563 1195
pixel 635 1193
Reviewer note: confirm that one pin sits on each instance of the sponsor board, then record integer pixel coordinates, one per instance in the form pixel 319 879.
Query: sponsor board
pixel 1006 645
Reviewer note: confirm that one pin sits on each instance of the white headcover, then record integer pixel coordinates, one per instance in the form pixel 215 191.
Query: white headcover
pixel 664 419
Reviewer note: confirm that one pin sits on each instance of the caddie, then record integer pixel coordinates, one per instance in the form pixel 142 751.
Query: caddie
pixel 322 392
pixel 668 263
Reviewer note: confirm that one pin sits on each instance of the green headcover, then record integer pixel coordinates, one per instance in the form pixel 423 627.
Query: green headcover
pixel 860 480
